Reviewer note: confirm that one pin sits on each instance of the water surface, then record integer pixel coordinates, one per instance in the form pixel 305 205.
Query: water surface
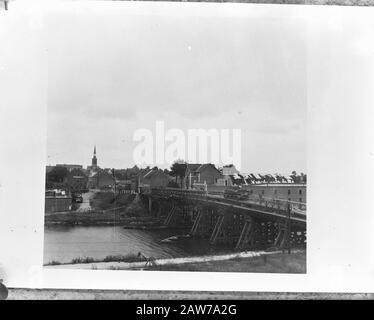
pixel 63 243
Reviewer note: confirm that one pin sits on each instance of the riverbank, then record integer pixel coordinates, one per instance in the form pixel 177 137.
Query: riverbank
pixel 265 263
pixel 253 261
pixel 102 200
pixel 108 209
pixel 98 218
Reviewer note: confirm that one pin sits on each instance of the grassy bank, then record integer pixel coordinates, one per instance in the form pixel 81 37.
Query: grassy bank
pixel 131 212
pixel 108 200
pixel 272 263
pixel 100 219
pixel 250 261
pixel 111 258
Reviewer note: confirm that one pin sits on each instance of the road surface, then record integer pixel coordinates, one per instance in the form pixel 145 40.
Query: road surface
pixel 85 205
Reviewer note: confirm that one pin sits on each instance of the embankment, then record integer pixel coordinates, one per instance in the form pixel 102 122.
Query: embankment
pixel 260 261
pixel 127 210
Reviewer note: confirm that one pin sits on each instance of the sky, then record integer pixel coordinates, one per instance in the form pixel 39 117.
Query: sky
pixel 112 72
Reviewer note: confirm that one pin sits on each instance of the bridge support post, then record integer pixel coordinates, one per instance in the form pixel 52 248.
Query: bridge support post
pixel 246 235
pixel 225 229
pixel 202 223
pixel 286 241
pixel 218 228
pixel 170 215
pixel 279 239
pixel 150 205
pixel 159 211
pixel 196 223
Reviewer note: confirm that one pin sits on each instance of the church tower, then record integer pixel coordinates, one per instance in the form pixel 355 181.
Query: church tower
pixel 94 159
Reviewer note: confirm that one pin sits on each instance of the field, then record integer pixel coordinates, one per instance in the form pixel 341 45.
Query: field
pixel 272 263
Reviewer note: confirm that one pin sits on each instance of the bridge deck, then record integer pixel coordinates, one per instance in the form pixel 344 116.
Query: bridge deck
pixel 251 207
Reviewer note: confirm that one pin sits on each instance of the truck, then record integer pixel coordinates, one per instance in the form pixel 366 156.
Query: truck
pixel 77 197
pixel 236 193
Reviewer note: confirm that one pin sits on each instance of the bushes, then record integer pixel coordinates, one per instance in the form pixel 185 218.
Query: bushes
pixel 122 258
pixel 107 200
pixel 110 258
pixel 136 208
pixel 83 260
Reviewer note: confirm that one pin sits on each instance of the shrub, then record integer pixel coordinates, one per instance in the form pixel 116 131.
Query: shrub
pixel 122 258
pixel 83 260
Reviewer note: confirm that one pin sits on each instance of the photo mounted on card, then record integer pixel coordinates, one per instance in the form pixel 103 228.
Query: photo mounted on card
pixel 175 141
pixel 167 145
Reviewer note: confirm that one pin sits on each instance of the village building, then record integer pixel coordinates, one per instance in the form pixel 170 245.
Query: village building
pixel 70 167
pixel 230 176
pixel 286 191
pixel 102 179
pixel 49 168
pixel 93 167
pixel 201 174
pixel 154 178
pixel 76 180
pixel 57 201
pixel 125 186
pixel 229 170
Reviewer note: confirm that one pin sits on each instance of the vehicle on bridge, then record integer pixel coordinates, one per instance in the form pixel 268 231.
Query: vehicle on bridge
pixel 77 197
pixel 236 193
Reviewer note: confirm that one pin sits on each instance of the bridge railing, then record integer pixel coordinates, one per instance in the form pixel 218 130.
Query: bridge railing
pixel 179 192
pixel 273 205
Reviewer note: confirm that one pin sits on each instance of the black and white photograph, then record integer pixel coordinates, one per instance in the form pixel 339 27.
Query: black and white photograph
pixel 176 143
pixel 153 149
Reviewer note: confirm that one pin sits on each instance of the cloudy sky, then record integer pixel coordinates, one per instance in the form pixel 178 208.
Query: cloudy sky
pixel 112 72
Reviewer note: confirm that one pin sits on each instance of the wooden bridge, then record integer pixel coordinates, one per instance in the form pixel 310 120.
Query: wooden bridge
pixel 242 224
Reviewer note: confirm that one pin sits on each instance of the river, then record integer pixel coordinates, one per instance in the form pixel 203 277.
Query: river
pixel 63 243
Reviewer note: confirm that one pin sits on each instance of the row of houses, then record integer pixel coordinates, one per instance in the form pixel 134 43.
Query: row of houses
pixel 262 186
pixel 230 176
pixel 214 180
pixel 196 176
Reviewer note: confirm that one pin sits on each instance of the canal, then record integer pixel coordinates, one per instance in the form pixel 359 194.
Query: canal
pixel 62 243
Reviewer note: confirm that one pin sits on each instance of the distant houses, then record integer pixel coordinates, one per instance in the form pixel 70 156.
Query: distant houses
pixel 70 166
pixel 69 179
pixel 231 176
pixel 101 179
pixel 57 201
pixel 287 191
pixel 74 178
pixel 154 178
pixel 201 174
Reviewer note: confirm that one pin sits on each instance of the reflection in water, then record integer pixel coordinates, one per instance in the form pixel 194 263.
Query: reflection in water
pixel 66 243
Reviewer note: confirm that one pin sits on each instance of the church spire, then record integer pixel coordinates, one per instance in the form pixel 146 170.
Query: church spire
pixel 94 159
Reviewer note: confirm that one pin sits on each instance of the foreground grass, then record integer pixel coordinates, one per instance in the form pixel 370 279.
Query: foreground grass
pixel 110 258
pixel 273 263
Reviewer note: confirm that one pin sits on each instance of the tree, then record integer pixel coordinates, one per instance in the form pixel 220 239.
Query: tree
pixel 173 184
pixel 295 177
pixel 302 177
pixel 57 175
pixel 178 170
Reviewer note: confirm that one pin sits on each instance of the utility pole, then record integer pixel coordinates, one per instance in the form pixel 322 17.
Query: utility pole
pixel 288 228
pixel 114 180
pixel 115 196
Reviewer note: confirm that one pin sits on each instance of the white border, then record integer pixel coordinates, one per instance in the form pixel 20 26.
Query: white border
pixel 340 152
